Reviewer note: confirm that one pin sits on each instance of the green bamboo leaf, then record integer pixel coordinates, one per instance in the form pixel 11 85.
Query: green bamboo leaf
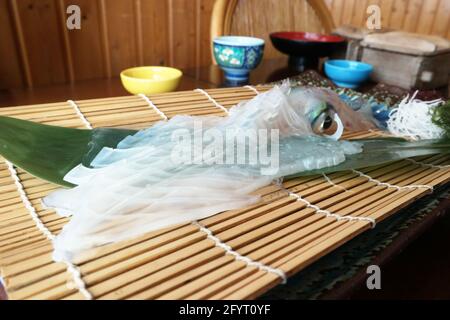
pixel 49 152
pixel 384 150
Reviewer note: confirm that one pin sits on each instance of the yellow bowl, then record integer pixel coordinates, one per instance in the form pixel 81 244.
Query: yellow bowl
pixel 148 80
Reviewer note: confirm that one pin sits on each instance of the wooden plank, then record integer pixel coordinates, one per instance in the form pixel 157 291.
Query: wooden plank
pixel 398 14
pixel 412 14
pixel 184 48
pixel 61 8
pixel 105 38
pixel 298 10
pixel 155 32
pixel 429 10
pixel 350 6
pixel 41 32
pixel 120 17
pixel 205 42
pixel 441 23
pixel 87 63
pixel 10 70
pixel 21 43
pixel 359 12
pixel 386 12
pixel 313 22
pixel 337 11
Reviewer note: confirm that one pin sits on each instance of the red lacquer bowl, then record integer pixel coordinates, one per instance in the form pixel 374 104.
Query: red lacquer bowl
pixel 305 48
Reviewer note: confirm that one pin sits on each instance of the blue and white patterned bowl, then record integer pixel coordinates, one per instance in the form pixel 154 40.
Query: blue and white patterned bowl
pixel 237 56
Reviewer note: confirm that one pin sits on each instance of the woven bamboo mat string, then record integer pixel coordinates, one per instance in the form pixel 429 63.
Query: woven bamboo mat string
pixel 252 88
pixel 388 185
pixel 328 179
pixel 153 106
pixel 238 256
pixel 72 269
pixel 80 114
pixel 243 232
pixel 385 184
pixel 218 105
pixel 427 164
pixel 318 210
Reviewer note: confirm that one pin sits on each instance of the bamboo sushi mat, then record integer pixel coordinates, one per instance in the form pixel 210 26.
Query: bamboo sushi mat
pixel 237 254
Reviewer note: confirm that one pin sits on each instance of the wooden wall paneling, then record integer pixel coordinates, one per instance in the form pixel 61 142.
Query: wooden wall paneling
pixel 104 38
pixel 428 13
pixel 184 39
pixel 206 7
pixel 155 32
pixel 313 23
pixel 386 12
pixel 398 14
pixel 43 40
pixel 198 25
pixel 448 30
pixel 348 10
pixel 121 33
pixel 412 14
pixel 11 74
pixel 138 31
pixel 21 41
pixel 170 29
pixel 297 14
pixel 37 49
pixel 264 23
pixel 85 45
pixel 329 3
pixel 441 23
pixel 360 13
pixel 250 18
pixel 242 19
pixel 61 18
pixel 422 16
pixel 337 10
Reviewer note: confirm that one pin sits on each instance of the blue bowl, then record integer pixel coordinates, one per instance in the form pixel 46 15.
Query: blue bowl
pixel 238 55
pixel 347 73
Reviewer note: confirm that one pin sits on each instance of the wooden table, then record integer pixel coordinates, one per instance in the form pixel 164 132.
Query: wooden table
pixel 212 77
pixel 202 77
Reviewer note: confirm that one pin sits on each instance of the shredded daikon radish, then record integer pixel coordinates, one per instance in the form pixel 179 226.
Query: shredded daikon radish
pixel 413 119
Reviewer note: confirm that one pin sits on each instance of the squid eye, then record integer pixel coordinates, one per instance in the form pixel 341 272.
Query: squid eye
pixel 328 122
pixel 325 124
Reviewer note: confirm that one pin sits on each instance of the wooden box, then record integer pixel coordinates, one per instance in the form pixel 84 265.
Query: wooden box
pixel 410 66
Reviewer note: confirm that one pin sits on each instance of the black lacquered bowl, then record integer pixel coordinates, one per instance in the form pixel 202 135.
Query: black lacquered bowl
pixel 306 48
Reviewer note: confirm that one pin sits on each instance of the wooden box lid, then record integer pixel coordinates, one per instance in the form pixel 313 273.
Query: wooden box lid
pixel 407 43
